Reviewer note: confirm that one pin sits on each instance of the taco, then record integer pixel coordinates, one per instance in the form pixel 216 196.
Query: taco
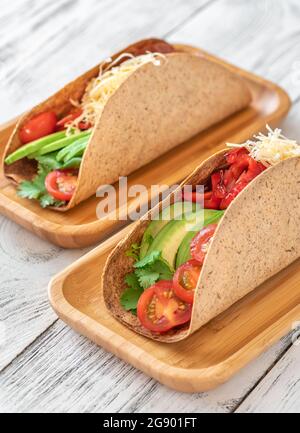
pixel 171 276
pixel 115 118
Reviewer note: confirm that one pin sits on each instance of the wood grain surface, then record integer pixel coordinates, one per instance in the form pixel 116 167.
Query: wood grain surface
pixel 44 44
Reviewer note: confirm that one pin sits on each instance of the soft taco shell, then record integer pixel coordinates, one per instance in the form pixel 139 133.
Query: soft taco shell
pixel 258 236
pixel 155 109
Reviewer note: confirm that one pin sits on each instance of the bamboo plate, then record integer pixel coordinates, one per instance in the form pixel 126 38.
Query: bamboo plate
pixel 204 360
pixel 80 227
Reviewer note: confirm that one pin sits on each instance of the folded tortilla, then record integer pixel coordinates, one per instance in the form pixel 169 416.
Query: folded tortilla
pixel 258 236
pixel 154 109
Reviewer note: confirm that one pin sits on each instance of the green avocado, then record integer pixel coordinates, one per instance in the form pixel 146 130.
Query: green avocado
pixel 169 213
pixel 183 253
pixel 171 235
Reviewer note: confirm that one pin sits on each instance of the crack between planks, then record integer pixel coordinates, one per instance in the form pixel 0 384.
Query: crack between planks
pixel 18 355
pixel 274 363
pixel 190 16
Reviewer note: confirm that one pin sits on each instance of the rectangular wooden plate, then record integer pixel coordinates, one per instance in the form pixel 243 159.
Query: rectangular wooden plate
pixel 204 360
pixel 80 226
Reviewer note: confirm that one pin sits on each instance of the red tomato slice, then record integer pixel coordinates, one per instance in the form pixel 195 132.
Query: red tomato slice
pixel 201 241
pixel 61 184
pixel 185 280
pixel 62 123
pixel 39 126
pixel 160 310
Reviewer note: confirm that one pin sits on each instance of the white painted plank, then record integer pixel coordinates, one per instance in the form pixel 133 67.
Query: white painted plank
pixel 279 391
pixel 39 52
pixel 64 372
pixel 27 263
pixel 259 35
pixel 45 44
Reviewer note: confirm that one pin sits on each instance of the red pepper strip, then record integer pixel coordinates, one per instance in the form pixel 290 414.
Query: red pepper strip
pixel 62 123
pixel 84 125
pixel 218 187
pixel 238 187
pixel 254 169
pixel 234 154
pixel 212 203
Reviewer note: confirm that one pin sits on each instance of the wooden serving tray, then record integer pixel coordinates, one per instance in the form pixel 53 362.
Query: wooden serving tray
pixel 204 360
pixel 80 227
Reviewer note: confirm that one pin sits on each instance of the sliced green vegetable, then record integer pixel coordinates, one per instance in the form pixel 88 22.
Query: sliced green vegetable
pixel 48 161
pixel 72 163
pixel 183 253
pixel 74 149
pixel 59 144
pixel 34 146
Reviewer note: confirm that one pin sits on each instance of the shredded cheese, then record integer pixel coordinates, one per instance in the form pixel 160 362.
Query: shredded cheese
pixel 101 88
pixel 271 148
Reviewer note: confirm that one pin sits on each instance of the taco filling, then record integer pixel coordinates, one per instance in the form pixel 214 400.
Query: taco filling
pixel 168 260
pixel 56 145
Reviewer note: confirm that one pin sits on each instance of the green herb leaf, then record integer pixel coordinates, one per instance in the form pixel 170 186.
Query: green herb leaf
pixel 133 252
pixel 147 277
pixel 148 260
pixel 48 162
pixel 131 295
pixel 35 188
pixel 148 271
pixel 163 268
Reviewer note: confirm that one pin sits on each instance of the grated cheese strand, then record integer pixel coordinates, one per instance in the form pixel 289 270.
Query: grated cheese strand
pixel 101 88
pixel 271 148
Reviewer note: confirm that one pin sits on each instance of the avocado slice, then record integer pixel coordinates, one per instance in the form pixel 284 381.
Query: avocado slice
pixel 167 214
pixel 171 235
pixel 183 253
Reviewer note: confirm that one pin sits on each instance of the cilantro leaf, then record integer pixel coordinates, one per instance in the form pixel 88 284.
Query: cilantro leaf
pixel 146 277
pixel 148 260
pixel 133 252
pixel 163 268
pixel 48 200
pixel 148 271
pixel 33 189
pixel 131 295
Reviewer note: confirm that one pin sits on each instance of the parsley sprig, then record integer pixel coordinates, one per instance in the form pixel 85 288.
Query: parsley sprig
pixel 35 188
pixel 148 271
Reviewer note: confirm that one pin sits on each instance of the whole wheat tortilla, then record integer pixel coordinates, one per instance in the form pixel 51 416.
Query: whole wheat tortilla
pixel 154 110
pixel 258 236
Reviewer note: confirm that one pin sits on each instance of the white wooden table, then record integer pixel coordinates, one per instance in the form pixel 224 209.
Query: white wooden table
pixel 45 366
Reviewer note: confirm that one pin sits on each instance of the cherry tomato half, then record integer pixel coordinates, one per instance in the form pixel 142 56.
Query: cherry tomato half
pixel 39 126
pixel 201 241
pixel 160 310
pixel 61 184
pixel 185 280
